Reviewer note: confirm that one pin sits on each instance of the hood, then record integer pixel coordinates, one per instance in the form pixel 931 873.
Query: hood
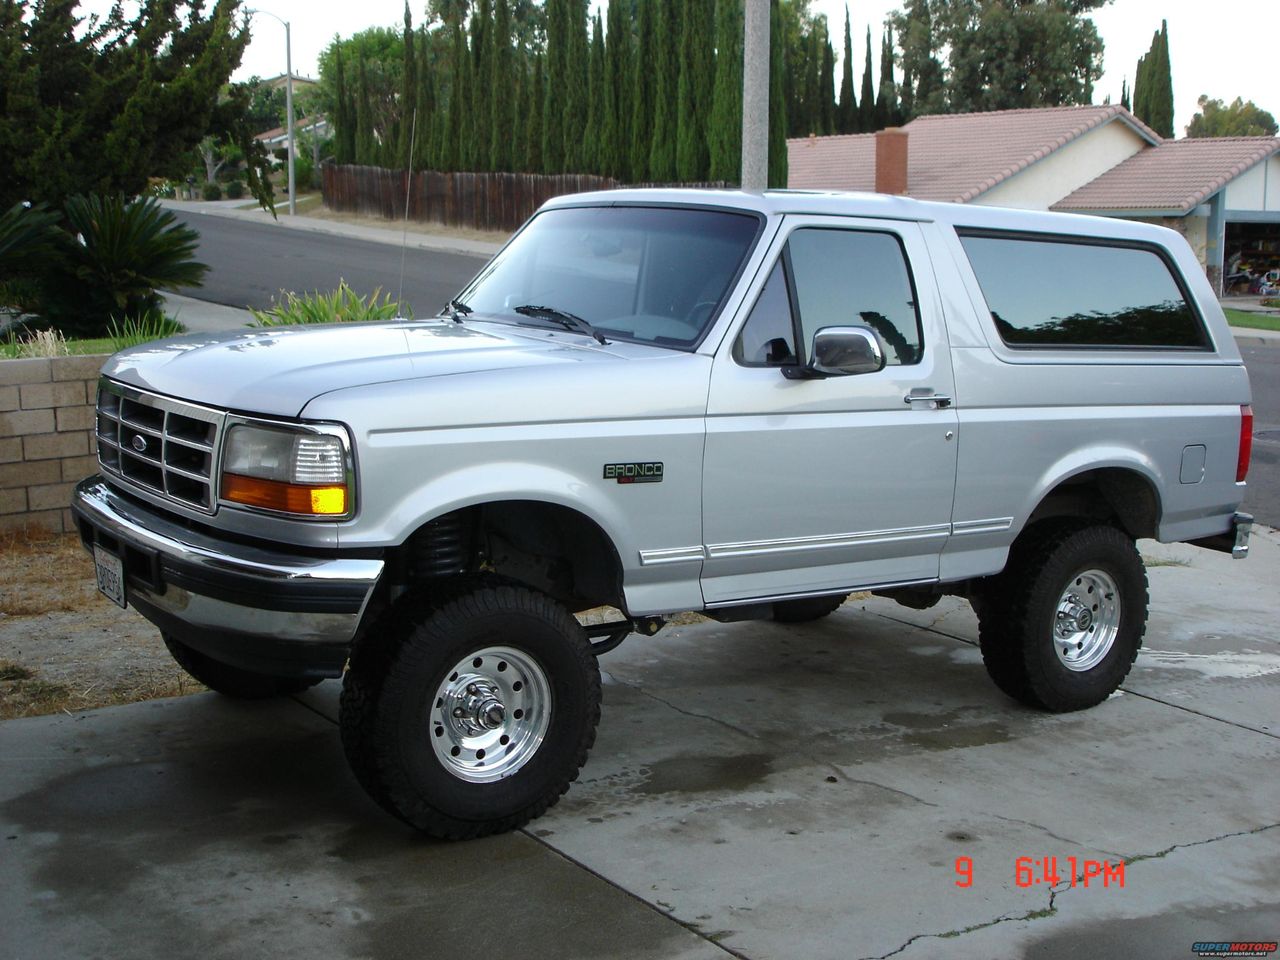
pixel 278 370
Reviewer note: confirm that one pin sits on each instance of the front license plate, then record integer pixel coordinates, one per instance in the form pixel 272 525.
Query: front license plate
pixel 110 575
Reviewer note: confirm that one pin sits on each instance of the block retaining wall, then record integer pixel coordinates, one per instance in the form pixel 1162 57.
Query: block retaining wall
pixel 46 439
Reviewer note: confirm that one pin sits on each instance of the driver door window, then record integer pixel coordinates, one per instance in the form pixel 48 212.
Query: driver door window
pixel 833 278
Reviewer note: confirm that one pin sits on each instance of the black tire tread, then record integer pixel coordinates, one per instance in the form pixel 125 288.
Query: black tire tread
pixel 411 631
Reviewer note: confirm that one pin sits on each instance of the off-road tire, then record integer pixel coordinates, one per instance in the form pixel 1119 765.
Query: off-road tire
pixel 808 609
pixel 1017 611
pixel 390 691
pixel 232 681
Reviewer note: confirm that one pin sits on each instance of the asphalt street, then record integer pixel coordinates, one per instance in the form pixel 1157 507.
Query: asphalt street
pixel 249 266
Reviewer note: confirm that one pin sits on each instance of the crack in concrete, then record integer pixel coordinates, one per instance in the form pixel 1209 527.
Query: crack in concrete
pixel 688 713
pixel 1138 858
pixel 951 934
pixel 927 629
pixel 1050 833
pixel 1199 713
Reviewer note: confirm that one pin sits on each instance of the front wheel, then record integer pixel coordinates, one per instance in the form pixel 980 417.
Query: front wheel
pixel 474 716
pixel 1061 627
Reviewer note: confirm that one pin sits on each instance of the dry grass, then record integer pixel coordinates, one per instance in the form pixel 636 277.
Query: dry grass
pixel 24 694
pixel 44 573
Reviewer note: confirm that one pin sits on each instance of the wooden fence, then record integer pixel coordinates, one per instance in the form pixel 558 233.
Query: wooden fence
pixel 481 201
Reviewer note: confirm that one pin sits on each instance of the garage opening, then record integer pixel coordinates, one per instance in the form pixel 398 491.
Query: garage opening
pixel 1252 259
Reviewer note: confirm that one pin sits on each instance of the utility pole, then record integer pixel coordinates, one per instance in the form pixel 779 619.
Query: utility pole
pixel 755 96
pixel 288 104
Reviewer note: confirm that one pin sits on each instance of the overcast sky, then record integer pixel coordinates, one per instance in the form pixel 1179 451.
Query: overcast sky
pixel 1225 49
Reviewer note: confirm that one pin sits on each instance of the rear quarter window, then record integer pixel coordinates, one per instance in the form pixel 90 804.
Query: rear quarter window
pixel 1059 292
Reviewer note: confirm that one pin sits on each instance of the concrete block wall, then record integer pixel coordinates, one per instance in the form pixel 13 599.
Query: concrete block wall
pixel 46 439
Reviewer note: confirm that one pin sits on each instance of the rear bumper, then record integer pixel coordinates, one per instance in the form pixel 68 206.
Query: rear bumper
pixel 1234 541
pixel 257 608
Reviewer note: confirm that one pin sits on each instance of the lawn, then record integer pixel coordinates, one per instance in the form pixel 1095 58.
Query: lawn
pixel 1258 321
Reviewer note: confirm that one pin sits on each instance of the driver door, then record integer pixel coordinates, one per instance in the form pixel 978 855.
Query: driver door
pixel 832 484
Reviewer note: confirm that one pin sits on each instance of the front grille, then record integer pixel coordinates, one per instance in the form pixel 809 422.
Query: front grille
pixel 165 446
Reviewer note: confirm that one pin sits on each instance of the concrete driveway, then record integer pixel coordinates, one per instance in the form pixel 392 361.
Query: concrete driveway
pixel 756 790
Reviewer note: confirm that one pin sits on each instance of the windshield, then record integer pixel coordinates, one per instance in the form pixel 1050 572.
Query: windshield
pixel 648 274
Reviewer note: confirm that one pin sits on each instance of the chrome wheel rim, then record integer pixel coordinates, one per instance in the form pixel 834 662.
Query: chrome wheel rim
pixel 1087 620
pixel 490 715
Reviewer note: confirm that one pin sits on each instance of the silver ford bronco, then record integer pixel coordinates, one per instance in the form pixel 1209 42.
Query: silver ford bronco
pixel 747 405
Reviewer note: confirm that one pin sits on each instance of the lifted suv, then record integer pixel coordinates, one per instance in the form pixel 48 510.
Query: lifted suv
pixel 742 404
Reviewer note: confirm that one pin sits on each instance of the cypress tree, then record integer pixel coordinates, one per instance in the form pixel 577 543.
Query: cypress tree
pixel 725 133
pixel 887 101
pixel 553 102
pixel 344 122
pixel 502 89
pixel 847 110
pixel 867 105
pixel 643 92
pixel 452 154
pixel 535 128
pixel 662 153
pixel 827 88
pixel 809 116
pixel 1162 87
pixel 1124 94
pixel 424 143
pixel 616 123
pixel 478 122
pixel 573 95
pixel 777 176
pixel 593 149
pixel 696 91
pixel 366 142
pixel 408 93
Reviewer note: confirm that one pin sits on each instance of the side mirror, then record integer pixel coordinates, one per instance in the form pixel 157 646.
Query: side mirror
pixel 840 352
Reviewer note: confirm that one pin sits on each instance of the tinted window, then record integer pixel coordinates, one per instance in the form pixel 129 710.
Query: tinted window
pixel 639 273
pixel 838 278
pixel 1050 293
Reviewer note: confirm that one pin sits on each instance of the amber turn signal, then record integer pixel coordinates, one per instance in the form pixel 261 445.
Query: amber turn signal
pixel 285 497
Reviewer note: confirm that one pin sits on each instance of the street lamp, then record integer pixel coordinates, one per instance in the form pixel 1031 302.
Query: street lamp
pixel 288 103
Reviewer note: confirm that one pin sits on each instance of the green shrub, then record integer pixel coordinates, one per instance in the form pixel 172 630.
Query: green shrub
pixel 126 251
pixel 343 305
pixel 152 325
pixel 303 172
pixel 235 190
pixel 211 191
pixel 30 243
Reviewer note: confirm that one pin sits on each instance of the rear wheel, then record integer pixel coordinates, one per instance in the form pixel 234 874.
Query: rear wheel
pixel 232 681
pixel 808 609
pixel 1061 627
pixel 471 717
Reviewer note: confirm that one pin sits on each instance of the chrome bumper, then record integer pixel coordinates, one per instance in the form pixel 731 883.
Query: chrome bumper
pixel 247 605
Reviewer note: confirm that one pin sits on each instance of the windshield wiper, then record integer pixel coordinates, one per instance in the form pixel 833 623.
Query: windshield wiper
pixel 570 321
pixel 457 310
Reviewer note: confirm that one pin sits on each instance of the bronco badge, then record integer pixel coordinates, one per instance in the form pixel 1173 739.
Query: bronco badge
pixel 633 472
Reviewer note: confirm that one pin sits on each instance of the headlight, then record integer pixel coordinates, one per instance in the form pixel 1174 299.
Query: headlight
pixel 294 471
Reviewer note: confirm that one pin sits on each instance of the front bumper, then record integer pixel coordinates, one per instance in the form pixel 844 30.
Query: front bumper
pixel 260 609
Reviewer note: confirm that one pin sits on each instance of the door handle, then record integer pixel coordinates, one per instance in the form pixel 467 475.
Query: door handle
pixel 924 395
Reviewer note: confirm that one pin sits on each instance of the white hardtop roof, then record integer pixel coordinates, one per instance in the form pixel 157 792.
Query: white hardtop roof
pixel 777 203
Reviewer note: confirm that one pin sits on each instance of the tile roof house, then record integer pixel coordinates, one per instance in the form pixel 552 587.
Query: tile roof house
pixel 1090 159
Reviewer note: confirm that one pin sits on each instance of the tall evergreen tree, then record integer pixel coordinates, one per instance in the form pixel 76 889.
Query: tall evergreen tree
pixel 827 87
pixel 423 146
pixel 725 133
pixel 592 138
pixel 534 126
pixel 573 95
pixel 847 110
pixel 808 102
pixel 616 119
pixel 452 152
pixel 344 121
pixel 408 93
pixel 887 98
pixel 557 76
pixel 643 90
pixel 1124 94
pixel 696 90
pixel 662 152
pixel 478 123
pixel 777 176
pixel 1162 86
pixel 867 104
pixel 502 89
pixel 923 90
pixel 366 142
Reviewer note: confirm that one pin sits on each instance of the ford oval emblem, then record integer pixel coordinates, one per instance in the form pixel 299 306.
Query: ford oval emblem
pixel 139 443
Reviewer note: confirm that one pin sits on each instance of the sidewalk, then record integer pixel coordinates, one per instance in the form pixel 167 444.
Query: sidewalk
pixel 853 788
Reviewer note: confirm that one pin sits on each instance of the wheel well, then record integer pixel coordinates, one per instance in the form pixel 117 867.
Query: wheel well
pixel 1108 494
pixel 550 547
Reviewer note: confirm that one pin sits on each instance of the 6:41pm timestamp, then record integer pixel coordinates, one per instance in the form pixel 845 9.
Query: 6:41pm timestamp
pixel 1051 871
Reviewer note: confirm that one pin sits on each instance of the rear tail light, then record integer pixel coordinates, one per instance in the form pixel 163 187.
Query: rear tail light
pixel 1246 442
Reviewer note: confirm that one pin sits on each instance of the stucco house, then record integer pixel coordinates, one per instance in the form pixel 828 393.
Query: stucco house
pixel 1223 194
